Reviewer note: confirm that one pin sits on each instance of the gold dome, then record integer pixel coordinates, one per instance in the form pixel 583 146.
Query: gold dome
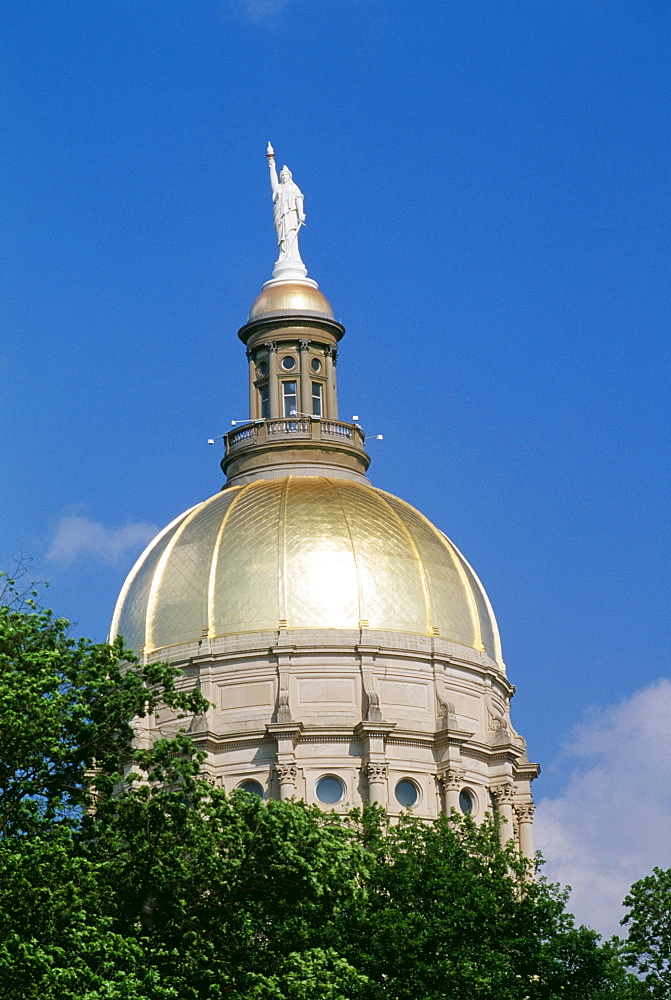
pixel 290 297
pixel 302 552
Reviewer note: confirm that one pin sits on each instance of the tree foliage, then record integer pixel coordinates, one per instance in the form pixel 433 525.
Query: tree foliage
pixel 66 708
pixel 124 875
pixel 648 945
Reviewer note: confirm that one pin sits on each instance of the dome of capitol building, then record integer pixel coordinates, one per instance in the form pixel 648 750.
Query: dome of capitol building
pixel 304 553
pixel 348 650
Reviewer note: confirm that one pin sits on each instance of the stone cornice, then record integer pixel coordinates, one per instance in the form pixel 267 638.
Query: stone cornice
pixel 292 323
pixel 303 643
pixel 215 741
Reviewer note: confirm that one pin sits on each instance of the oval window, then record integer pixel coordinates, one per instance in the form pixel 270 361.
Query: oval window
pixel 330 790
pixel 288 363
pixel 406 793
pixel 252 787
pixel 316 365
pixel 262 368
pixel 465 801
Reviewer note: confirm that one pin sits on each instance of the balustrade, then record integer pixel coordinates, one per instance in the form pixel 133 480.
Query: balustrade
pixel 241 435
pixel 336 428
pixel 296 427
pixel 288 426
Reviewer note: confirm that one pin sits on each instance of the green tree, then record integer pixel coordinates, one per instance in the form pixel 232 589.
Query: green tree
pixel 239 898
pixel 66 738
pixel 451 914
pixel 236 897
pixel 66 708
pixel 124 875
pixel 648 945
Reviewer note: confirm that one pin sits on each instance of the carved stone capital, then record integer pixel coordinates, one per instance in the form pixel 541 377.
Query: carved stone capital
pixel 376 772
pixel 303 345
pixel 503 793
pixel 451 781
pixel 248 354
pixel 272 346
pixel 525 812
pixel 286 773
pixel 331 352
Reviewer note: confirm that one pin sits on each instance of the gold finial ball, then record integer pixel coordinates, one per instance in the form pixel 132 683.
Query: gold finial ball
pixel 286 297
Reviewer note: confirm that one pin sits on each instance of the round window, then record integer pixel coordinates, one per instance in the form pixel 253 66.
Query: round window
pixel 288 363
pixel 253 787
pixel 262 368
pixel 466 802
pixel 406 793
pixel 316 365
pixel 330 790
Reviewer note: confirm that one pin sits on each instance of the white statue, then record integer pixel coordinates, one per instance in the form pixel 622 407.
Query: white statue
pixel 288 215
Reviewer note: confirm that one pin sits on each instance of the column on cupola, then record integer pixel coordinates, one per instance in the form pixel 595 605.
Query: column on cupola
pixel 503 796
pixel 253 392
pixel 525 815
pixel 330 356
pixel 273 380
pixel 451 782
pixel 305 400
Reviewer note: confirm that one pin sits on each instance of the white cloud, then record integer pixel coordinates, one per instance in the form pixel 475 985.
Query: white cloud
pixel 79 537
pixel 610 826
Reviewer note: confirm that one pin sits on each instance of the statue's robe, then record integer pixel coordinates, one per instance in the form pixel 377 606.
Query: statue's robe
pixel 285 213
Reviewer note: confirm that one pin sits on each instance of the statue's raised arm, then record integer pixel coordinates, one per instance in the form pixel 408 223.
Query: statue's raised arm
pixel 288 213
pixel 274 183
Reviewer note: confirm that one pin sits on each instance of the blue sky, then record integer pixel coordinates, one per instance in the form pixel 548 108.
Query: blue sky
pixel 487 189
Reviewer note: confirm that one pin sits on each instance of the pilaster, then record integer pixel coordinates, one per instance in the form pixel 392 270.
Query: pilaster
pixel 525 815
pixel 377 775
pixel 503 795
pixel 286 736
pixel 373 737
pixel 451 783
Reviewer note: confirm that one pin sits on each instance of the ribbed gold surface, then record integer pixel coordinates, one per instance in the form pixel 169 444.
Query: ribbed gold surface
pixel 290 296
pixel 308 552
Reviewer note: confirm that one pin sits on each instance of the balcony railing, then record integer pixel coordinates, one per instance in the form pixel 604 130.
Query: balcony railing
pixel 293 428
